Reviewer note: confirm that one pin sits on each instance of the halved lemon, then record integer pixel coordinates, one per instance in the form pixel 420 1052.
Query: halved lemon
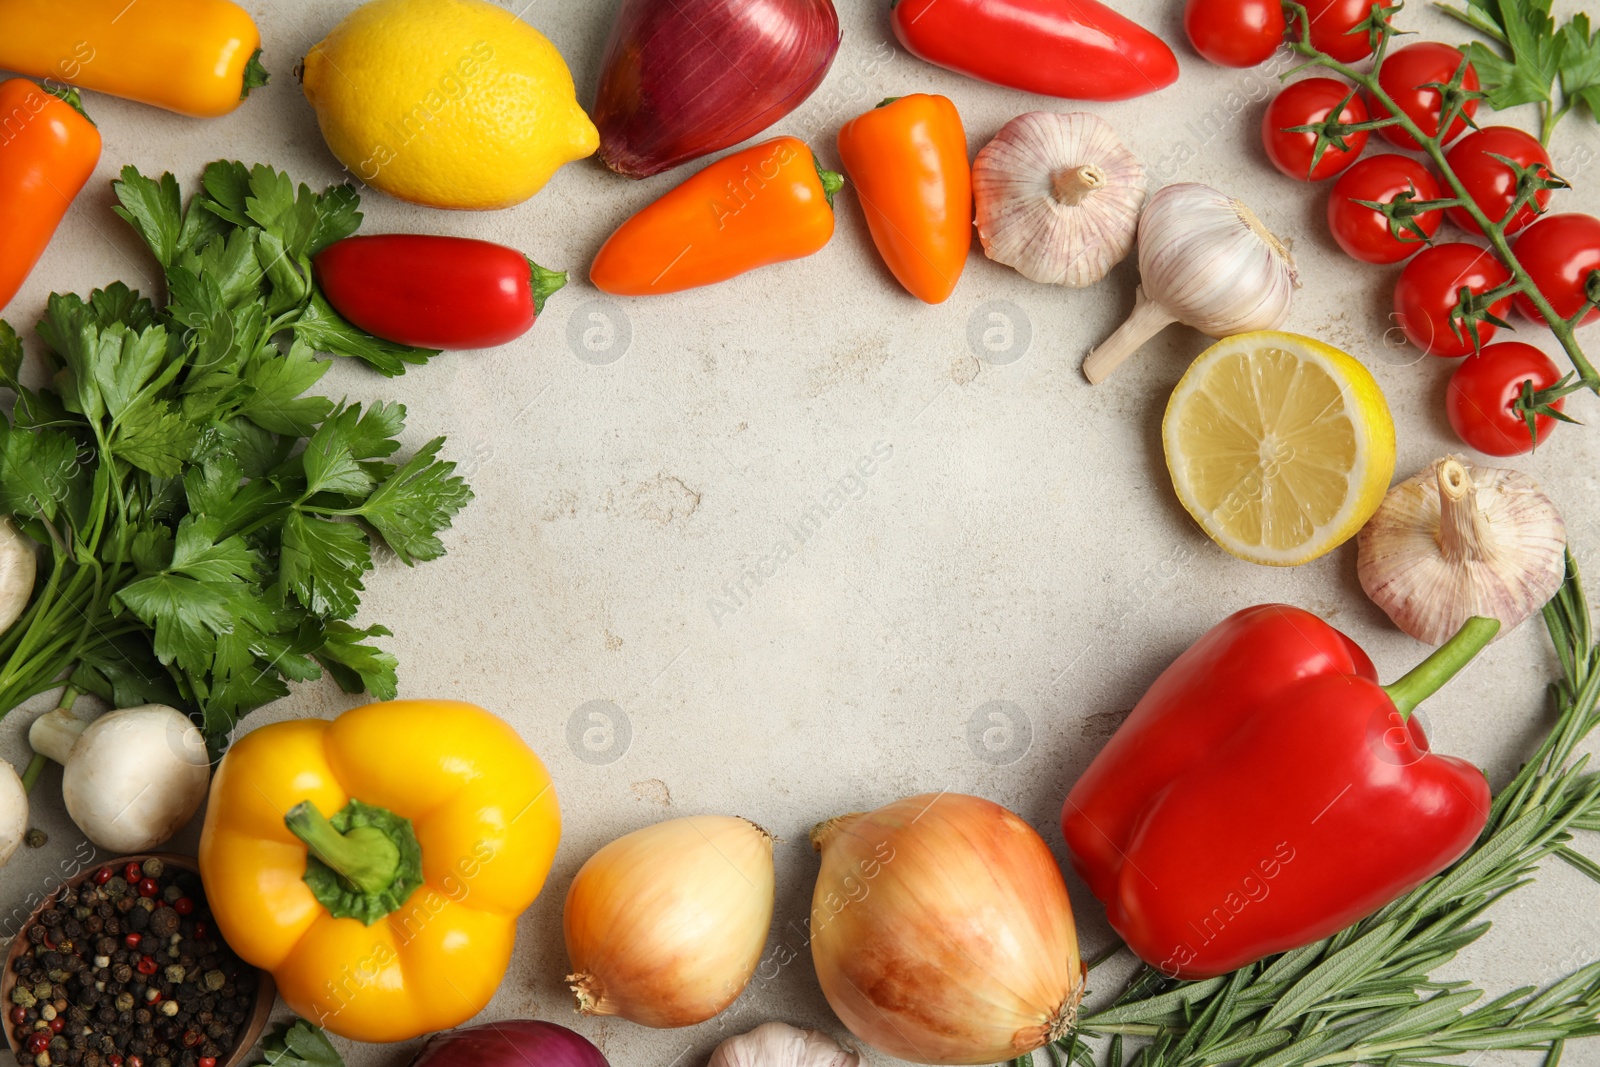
pixel 1280 446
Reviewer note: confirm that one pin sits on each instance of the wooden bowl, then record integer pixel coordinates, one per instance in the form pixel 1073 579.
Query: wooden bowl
pixel 254 1023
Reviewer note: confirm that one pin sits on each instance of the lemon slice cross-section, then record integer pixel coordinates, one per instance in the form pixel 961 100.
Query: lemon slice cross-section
pixel 1280 446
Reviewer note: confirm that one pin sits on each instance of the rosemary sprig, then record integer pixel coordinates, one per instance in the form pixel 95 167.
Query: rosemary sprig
pixel 1365 995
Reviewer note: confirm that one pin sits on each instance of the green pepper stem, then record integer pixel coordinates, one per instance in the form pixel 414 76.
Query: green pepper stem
pixel 364 859
pixel 544 283
pixel 1427 677
pixel 832 181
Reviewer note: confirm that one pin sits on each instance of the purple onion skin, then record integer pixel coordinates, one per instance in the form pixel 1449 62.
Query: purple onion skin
pixel 684 78
pixel 509 1043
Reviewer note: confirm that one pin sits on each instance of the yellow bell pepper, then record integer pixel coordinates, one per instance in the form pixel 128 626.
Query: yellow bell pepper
pixel 195 57
pixel 376 864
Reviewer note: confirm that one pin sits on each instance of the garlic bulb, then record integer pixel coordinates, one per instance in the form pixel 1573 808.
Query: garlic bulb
pixel 665 925
pixel 941 931
pixel 1206 261
pixel 1058 197
pixel 1456 541
pixel 782 1045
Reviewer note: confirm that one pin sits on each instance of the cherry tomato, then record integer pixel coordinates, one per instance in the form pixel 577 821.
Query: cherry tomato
pixel 1363 232
pixel 1404 77
pixel 1301 104
pixel 1234 33
pixel 1484 391
pixel 1333 28
pixel 1429 288
pixel 1560 253
pixel 1491 183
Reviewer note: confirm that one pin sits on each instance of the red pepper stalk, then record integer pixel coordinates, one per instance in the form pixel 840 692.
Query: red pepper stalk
pixel 1267 792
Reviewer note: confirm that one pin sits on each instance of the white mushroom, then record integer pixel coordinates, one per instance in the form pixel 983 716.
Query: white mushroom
pixel 13 811
pixel 18 567
pixel 133 776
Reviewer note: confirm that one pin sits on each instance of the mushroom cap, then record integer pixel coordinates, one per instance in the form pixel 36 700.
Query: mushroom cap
pixel 13 811
pixel 19 565
pixel 135 776
pixel 1025 225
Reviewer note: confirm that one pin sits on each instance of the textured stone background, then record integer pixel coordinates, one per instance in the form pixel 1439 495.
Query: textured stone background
pixel 1019 551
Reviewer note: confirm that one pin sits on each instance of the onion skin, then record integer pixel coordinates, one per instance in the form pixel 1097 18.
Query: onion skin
pixel 942 933
pixel 509 1043
pixel 665 926
pixel 684 78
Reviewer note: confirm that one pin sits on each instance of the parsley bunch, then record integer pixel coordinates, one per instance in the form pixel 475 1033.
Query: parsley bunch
pixel 205 523
pixel 1557 68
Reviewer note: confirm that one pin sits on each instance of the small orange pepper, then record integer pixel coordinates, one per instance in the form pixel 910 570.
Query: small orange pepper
pixel 195 57
pixel 907 159
pixel 769 203
pixel 48 150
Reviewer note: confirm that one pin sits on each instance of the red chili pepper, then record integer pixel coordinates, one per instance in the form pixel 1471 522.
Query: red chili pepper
pixel 435 292
pixel 148 888
pixel 1267 792
pixel 1078 49
pixel 146 965
pixel 183 906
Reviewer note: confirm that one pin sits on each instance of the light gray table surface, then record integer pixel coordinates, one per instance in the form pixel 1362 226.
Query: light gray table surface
pixel 1020 544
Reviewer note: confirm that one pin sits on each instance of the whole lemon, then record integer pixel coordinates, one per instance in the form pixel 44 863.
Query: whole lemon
pixel 449 103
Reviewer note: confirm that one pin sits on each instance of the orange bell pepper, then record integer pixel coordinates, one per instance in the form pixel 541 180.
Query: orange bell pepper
pixel 770 203
pixel 48 150
pixel 907 159
pixel 195 57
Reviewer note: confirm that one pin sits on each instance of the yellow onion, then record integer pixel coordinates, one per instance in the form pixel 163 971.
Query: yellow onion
pixel 941 931
pixel 665 925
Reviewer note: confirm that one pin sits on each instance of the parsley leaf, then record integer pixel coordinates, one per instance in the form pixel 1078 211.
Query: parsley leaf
pixel 152 208
pixel 322 563
pixel 415 503
pixel 1580 64
pixel 357 666
pixel 299 1045
pixel 322 328
pixel 1533 57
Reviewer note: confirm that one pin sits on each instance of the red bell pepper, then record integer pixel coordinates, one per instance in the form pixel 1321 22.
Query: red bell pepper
pixel 1078 49
pixel 1268 792
pixel 434 292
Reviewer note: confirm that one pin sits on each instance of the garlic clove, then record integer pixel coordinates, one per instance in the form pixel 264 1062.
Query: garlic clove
pixel 1457 540
pixel 1058 197
pixel 778 1044
pixel 1207 261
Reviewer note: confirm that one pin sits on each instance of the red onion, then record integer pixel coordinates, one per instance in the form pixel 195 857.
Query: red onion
pixel 684 78
pixel 510 1043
